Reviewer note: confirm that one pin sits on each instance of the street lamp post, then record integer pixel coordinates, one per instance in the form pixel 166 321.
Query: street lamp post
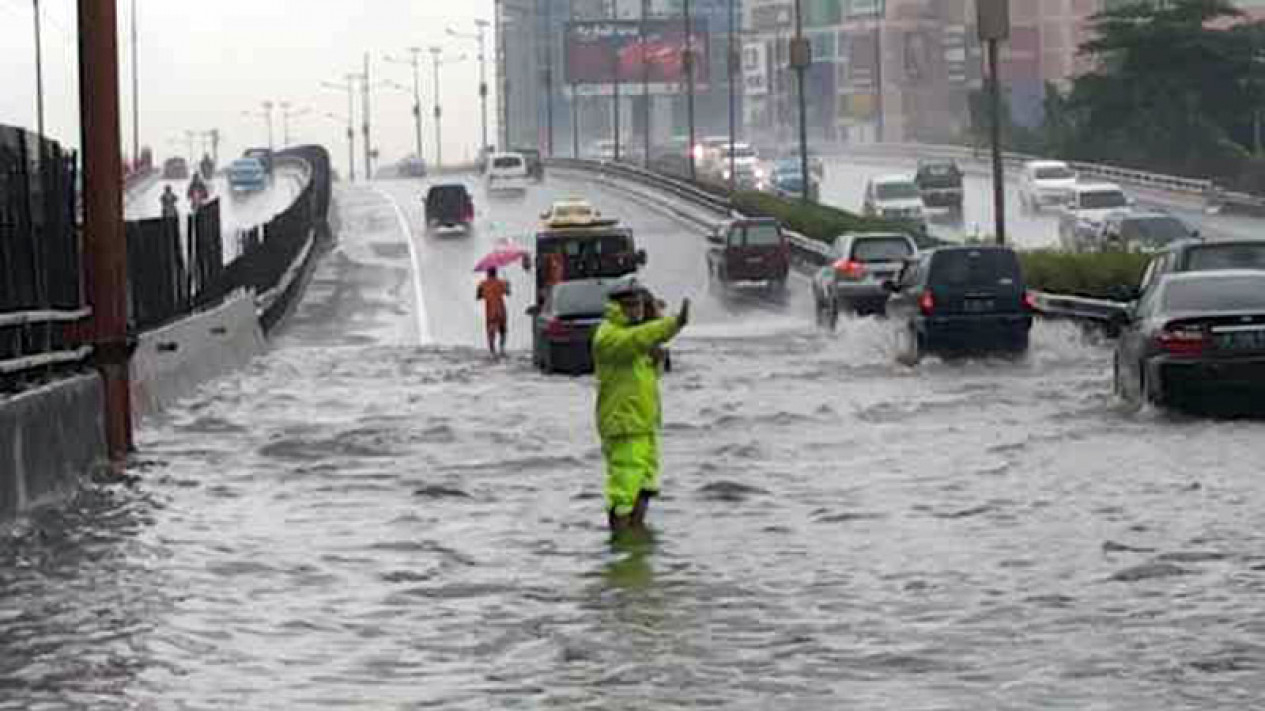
pixel 645 84
pixel 368 142
pixel 350 88
pixel 39 78
pixel 733 105
pixel 435 53
pixel 994 26
pixel 688 65
pixel 414 62
pixel 479 37
pixel 801 58
pixel 136 92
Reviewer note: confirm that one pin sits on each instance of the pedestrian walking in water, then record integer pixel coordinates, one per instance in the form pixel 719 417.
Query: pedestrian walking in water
pixel 626 353
pixel 492 292
pixel 168 201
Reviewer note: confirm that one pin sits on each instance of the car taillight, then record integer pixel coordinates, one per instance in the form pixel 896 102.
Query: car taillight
pixel 1182 340
pixel 1029 301
pixel 557 328
pixel 927 302
pixel 850 269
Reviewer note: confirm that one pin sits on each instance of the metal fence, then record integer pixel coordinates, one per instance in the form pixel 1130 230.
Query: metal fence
pixel 42 295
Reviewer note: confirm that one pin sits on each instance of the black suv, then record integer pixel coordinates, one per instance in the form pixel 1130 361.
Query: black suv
pixel 449 205
pixel 957 300
pixel 940 182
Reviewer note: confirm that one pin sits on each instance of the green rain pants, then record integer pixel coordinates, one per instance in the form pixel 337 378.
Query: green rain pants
pixel 632 466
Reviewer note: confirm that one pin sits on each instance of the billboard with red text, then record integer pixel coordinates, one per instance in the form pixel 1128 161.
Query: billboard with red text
pixel 630 52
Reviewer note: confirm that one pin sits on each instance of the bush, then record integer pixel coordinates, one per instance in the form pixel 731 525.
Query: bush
pixel 821 222
pixel 1095 275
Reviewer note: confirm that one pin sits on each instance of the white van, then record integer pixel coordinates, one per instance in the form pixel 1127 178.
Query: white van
pixel 507 172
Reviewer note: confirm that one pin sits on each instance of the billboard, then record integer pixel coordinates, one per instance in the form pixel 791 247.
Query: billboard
pixel 599 53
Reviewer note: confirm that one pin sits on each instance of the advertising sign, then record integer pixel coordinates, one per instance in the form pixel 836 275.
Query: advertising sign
pixel 599 53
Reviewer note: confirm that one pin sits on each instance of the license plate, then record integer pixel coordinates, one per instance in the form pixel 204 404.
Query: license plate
pixel 978 305
pixel 755 260
pixel 1241 340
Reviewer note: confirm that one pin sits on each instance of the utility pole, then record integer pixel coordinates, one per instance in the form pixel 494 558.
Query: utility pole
pixel 136 91
pixel 39 79
pixel 616 78
pixel 733 99
pixel 285 124
pixel 350 88
pixel 645 84
pixel 367 137
pixel 879 118
pixel 416 53
pixel 549 45
pixel 105 245
pixel 801 59
pixel 994 26
pixel 439 138
pixel 688 65
pixel 483 79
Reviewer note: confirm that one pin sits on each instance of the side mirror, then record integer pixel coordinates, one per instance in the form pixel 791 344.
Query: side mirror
pixel 890 286
pixel 1125 294
pixel 533 310
pixel 642 258
pixel 1194 234
pixel 716 239
pixel 527 262
pixel 544 215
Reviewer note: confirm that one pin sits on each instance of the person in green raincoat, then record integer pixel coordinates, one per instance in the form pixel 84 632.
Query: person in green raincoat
pixel 627 349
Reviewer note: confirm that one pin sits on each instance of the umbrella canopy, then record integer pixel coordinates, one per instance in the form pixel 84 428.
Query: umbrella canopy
pixel 503 256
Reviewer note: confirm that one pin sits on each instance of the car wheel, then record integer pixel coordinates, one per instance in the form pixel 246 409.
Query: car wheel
pixel 832 314
pixel 1149 394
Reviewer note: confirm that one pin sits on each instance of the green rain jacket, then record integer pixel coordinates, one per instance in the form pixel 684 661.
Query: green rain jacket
pixel 627 379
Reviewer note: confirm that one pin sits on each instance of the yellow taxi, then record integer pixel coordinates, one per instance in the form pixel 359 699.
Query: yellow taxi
pixel 574 212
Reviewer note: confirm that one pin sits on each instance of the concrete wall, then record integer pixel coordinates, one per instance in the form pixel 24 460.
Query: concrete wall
pixel 172 362
pixel 50 437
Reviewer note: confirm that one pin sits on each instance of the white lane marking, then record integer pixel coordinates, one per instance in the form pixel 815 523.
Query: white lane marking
pixel 423 321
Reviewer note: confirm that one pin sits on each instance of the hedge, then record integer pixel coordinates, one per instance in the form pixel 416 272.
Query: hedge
pixel 1099 275
pixel 822 222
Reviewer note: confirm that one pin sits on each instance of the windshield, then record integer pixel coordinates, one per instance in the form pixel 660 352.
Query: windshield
pixel 762 236
pixel 571 211
pixel 1154 231
pixel 896 191
pixel 739 152
pixel 1103 200
pixel 1054 173
pixel 507 162
pixel 1226 256
pixel 579 298
pixel 1237 293
pixel 881 249
pixel 979 267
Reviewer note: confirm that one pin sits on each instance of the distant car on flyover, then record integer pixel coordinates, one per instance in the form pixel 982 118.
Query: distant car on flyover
pixel 175 169
pixel 247 175
pixel 1196 334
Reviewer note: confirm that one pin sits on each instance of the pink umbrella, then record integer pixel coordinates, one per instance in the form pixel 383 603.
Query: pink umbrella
pixel 502 256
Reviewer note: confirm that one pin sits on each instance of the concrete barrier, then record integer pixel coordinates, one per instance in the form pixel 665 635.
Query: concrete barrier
pixel 50 438
pixel 172 362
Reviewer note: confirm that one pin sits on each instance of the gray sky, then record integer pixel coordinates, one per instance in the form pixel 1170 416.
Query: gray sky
pixel 203 64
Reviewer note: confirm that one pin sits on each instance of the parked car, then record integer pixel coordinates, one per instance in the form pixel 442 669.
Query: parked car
pixel 264 156
pixel 1195 334
pixel 449 205
pixel 853 278
pixel 1200 256
pixel 1087 209
pixel 940 182
pixel 507 172
pixel 1043 183
pixel 895 197
pixel 535 164
pixel 1141 231
pixel 749 252
pixel 175 169
pixel 247 175
pixel 960 300
pixel 564 324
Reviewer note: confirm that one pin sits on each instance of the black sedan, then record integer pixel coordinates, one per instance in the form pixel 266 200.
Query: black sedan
pixel 1197 338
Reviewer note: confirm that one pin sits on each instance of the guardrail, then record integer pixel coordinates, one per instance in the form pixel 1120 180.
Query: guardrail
pixel 810 254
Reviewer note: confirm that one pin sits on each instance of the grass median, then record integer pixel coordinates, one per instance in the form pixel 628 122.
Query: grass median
pixel 822 222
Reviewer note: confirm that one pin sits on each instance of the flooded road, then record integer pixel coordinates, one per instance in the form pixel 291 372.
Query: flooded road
pixel 375 515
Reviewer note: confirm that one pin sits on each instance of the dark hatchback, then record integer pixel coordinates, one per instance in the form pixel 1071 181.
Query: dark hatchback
pixel 749 252
pixel 1196 339
pixel 940 182
pixel 961 300
pixel 449 206
pixel 563 327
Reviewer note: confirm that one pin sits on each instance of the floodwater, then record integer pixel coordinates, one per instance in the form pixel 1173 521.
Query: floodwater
pixel 376 515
